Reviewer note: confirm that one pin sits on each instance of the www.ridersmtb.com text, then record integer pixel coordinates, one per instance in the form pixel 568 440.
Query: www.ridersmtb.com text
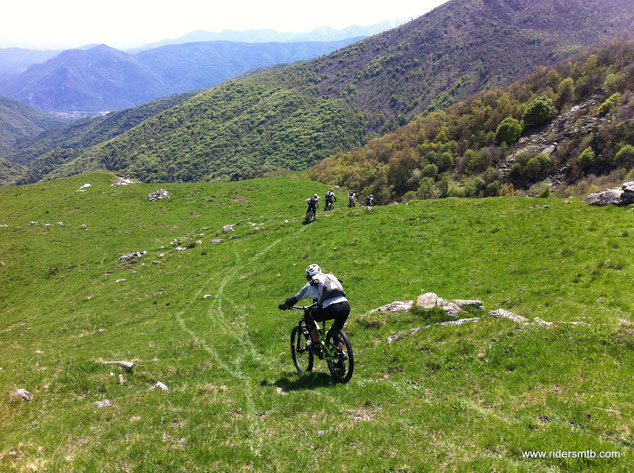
pixel 571 454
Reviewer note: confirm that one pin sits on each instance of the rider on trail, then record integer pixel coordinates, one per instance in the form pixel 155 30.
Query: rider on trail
pixel 328 292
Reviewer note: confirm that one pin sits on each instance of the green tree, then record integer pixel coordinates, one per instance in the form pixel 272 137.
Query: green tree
pixel 430 170
pixel 565 92
pixel 508 131
pixel 539 111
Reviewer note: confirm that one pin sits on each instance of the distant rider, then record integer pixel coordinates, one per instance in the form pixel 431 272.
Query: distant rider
pixel 313 204
pixel 330 198
pixel 369 202
pixel 327 290
pixel 351 197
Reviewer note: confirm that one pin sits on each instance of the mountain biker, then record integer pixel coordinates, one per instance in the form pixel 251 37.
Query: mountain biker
pixel 327 290
pixel 351 197
pixel 330 196
pixel 369 202
pixel 313 204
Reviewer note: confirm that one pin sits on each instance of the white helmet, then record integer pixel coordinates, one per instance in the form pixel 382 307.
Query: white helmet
pixel 312 270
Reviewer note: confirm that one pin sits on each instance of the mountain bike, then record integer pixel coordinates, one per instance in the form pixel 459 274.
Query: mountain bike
pixel 340 362
pixel 329 206
pixel 310 215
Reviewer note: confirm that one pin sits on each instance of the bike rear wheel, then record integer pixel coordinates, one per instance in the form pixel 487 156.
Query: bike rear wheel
pixel 302 357
pixel 342 366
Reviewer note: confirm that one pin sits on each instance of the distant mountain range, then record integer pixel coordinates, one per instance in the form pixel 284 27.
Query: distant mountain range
pixel 324 34
pixel 101 78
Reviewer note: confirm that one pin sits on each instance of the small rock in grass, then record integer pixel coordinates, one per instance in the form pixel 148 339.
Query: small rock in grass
pixel 35 223
pixel 180 248
pixel 508 315
pixel 120 280
pixel 281 392
pixel 104 403
pixel 228 228
pixel 22 394
pixel 541 321
pixel 206 296
pixel 217 240
pixel 160 386
pixel 127 365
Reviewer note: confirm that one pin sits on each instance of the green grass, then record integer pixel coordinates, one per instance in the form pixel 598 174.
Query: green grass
pixel 466 398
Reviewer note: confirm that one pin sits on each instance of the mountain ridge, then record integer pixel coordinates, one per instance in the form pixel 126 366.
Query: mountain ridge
pixel 381 82
pixel 102 78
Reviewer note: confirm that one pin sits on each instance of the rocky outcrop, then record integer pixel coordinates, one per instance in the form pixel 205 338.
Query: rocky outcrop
pixel 395 306
pixel 622 196
pixel 132 255
pixel 158 195
pixel 430 300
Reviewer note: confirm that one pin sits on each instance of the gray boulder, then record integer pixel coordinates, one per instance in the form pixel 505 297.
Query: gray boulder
pixel 627 190
pixel 450 308
pixel 607 197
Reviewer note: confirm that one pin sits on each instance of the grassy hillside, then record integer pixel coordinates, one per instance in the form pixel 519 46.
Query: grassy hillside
pixel 467 398
pixel 565 124
pixel 460 48
pixel 251 127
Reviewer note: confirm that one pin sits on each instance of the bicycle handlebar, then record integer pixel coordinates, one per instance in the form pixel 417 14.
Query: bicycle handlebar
pixel 304 307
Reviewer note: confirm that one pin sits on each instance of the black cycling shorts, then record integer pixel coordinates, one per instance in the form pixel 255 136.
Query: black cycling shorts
pixel 339 312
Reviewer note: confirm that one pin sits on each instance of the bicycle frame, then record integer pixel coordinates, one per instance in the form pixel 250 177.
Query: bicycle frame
pixel 329 354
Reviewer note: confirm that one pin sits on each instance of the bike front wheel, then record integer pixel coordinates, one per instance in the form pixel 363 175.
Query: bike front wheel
pixel 302 357
pixel 342 366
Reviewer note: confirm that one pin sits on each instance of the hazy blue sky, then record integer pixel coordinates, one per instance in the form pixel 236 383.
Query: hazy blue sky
pixel 127 23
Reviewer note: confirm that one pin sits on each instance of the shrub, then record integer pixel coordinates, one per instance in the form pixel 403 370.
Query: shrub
pixel 426 188
pixel 539 111
pixel 507 190
pixel 508 131
pixel 493 189
pixel 606 107
pixel 586 159
pixel 536 166
pixel 625 157
pixel 411 195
